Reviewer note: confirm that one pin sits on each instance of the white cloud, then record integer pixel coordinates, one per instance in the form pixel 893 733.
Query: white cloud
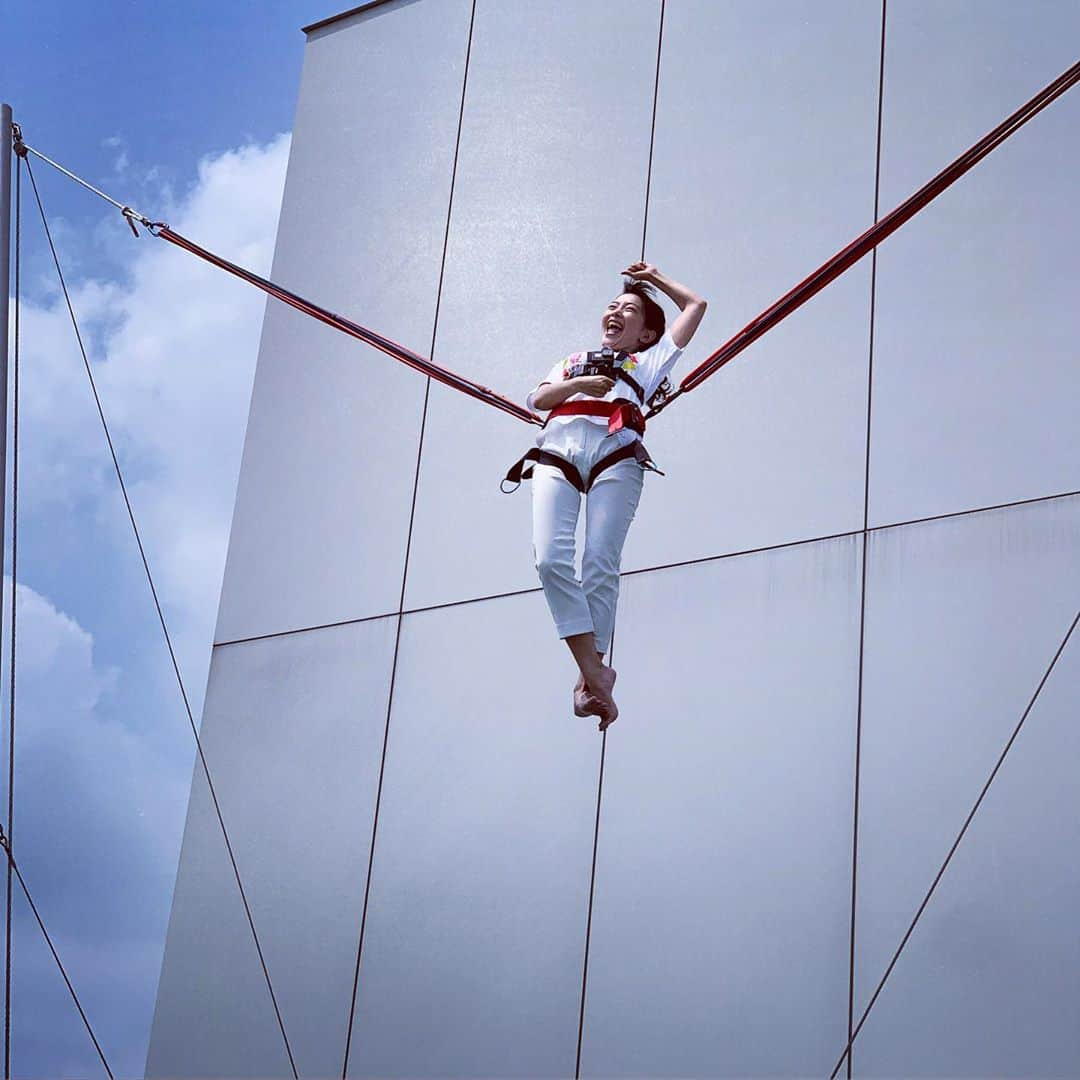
pixel 121 161
pixel 54 651
pixel 173 349
pixel 103 772
pixel 103 769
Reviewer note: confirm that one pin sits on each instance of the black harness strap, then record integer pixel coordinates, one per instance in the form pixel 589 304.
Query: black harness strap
pixel 636 449
pixel 521 471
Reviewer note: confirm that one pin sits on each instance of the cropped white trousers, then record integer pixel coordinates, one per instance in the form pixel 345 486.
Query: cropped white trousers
pixel 585 605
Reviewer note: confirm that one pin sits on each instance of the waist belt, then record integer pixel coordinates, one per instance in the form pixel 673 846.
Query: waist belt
pixel 620 413
pixel 521 470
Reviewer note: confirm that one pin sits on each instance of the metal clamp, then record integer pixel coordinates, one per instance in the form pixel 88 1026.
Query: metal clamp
pixel 131 216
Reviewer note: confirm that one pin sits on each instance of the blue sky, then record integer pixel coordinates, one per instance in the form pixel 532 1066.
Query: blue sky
pixel 174 81
pixel 184 111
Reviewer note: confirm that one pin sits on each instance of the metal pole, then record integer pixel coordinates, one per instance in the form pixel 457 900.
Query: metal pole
pixel 5 268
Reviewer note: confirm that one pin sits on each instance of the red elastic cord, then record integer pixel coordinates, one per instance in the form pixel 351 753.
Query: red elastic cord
pixel 347 326
pixel 873 236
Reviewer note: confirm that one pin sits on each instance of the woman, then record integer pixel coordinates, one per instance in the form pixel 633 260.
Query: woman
pixel 591 443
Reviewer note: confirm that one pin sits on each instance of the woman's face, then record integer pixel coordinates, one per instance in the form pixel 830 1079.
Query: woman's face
pixel 623 324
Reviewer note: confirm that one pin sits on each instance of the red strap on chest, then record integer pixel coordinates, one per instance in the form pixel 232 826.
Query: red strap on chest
pixel 620 414
pixel 584 408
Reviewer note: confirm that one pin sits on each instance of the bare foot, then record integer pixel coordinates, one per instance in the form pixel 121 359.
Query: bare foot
pixel 600 687
pixel 585 704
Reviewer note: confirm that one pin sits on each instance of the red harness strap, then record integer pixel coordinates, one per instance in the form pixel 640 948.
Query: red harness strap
pixel 620 413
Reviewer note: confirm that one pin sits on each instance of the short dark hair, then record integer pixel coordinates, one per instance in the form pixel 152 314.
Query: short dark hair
pixel 654 313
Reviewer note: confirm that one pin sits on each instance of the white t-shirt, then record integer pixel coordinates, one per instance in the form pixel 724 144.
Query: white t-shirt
pixel 648 368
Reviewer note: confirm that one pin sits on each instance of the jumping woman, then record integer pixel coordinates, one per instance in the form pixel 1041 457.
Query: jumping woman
pixel 591 445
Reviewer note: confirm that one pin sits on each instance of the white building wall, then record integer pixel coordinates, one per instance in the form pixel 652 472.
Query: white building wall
pixel 372 680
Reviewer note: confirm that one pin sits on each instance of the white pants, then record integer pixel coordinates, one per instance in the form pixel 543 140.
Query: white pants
pixel 588 605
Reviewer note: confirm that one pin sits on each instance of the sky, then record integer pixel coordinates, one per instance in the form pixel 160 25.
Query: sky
pixel 183 110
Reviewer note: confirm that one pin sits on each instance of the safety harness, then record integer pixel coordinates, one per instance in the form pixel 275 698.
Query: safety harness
pixel 621 413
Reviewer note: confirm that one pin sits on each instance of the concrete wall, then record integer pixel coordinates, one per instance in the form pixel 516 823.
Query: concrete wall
pixel 382 645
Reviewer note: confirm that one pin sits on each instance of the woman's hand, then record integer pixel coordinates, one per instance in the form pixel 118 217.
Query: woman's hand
pixel 641 271
pixel 691 306
pixel 593 385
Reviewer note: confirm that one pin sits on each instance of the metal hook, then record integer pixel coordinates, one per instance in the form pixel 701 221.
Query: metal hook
pixel 17 143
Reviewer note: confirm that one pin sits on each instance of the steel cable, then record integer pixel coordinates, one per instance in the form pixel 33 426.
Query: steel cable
pixel 12 865
pixel 952 850
pixel 865 542
pixel 165 631
pixel 8 938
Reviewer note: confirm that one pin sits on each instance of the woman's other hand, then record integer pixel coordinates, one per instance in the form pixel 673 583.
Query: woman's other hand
pixel 594 385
